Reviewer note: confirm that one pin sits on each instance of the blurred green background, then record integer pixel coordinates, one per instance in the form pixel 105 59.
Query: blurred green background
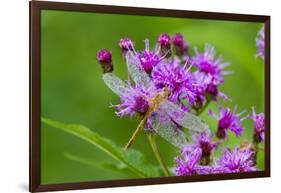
pixel 73 91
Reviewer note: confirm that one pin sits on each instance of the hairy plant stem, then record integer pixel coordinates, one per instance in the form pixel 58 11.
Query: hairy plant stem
pixel 155 149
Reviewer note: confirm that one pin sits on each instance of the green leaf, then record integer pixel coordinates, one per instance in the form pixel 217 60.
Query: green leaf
pixel 133 159
pixel 92 163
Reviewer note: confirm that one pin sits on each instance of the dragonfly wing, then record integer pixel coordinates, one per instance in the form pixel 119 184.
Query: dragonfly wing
pixel 183 118
pixel 169 131
pixel 117 85
pixel 135 70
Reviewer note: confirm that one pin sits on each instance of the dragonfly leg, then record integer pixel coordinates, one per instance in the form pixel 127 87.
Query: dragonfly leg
pixel 140 126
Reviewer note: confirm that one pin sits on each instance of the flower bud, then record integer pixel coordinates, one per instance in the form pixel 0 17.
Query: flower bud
pixel 178 40
pixel 180 45
pixel 104 57
pixel 148 60
pixel 164 41
pixel 126 44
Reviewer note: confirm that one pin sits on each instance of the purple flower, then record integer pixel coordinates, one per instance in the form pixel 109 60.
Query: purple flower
pixel 259 126
pixel 104 57
pixel 246 145
pixel 134 100
pixel 164 40
pixel 187 163
pixel 177 79
pixel 228 120
pixel 206 62
pixel 202 81
pixel 149 60
pixel 180 45
pixel 210 67
pixel 195 157
pixel 126 44
pixel 238 160
pixel 178 40
pixel 204 141
pixel 260 43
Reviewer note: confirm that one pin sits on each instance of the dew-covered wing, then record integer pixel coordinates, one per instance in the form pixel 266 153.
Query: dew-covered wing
pixel 169 131
pixel 135 70
pixel 183 118
pixel 117 85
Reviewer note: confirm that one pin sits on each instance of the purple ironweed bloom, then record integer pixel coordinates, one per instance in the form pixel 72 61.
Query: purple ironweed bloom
pixel 187 162
pixel 228 120
pixel 204 141
pixel 246 145
pixel 180 45
pixel 177 78
pixel 149 60
pixel 212 68
pixel 260 43
pixel 104 57
pixel 259 126
pixel 195 157
pixel 126 44
pixel 238 160
pixel 205 62
pixel 164 41
pixel 202 81
pixel 134 100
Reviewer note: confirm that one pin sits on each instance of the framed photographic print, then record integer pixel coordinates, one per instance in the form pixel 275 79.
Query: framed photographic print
pixel 123 96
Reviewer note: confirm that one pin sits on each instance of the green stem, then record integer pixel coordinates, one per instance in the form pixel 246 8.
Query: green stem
pixel 151 139
pixel 203 108
pixel 256 148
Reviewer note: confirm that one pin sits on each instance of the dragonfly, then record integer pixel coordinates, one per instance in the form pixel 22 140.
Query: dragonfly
pixel 158 104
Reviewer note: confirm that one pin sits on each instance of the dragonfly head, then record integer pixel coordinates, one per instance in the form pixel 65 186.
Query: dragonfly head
pixel 166 92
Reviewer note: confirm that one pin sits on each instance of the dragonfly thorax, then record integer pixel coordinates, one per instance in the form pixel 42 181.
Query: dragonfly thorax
pixel 159 98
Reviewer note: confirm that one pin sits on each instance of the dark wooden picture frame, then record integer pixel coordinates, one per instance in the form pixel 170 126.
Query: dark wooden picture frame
pixel 35 95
